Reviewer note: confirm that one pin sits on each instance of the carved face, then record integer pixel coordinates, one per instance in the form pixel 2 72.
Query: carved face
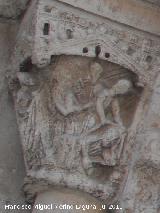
pixel 96 71
pixel 122 87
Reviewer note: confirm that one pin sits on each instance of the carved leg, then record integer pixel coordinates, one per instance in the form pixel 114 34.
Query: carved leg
pixel 100 109
pixel 87 164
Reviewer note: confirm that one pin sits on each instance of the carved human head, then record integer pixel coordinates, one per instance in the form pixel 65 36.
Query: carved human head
pixel 122 87
pixel 96 70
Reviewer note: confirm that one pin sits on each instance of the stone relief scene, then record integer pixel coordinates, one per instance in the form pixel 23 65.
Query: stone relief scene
pixel 75 120
pixel 79 97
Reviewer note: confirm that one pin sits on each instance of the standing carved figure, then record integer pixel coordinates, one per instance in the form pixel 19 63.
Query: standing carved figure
pixel 103 143
pixel 105 96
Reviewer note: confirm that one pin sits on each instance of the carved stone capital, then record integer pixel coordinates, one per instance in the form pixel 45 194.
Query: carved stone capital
pixel 78 82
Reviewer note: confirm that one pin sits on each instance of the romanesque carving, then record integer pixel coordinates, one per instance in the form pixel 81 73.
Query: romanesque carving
pixel 73 121
pixel 77 83
pixel 62 29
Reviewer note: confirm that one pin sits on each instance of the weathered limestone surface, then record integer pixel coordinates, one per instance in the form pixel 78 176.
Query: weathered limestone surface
pixel 156 2
pixel 135 13
pixel 84 76
pixel 68 201
pixel 142 191
pixel 11 9
pixel 82 95
pixel 12 170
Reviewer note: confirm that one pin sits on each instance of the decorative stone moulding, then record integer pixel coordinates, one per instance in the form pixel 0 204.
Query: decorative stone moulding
pixel 63 29
pixel 78 90
pixel 53 27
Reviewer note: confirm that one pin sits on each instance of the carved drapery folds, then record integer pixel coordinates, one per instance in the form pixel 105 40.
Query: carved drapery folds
pixel 77 88
pixel 74 117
